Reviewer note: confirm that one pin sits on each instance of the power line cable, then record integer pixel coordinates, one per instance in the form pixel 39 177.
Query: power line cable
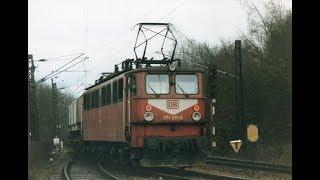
pixel 111 42
pixel 68 67
pixel 53 60
pixel 113 54
pixel 85 19
pixel 181 3
pixel 66 96
pixel 54 73
pixel 58 57
pixel 79 91
pixel 62 66
pixel 77 88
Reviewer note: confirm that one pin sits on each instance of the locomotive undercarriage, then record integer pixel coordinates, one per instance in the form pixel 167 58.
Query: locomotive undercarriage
pixel 117 152
pixel 175 152
pixel 158 151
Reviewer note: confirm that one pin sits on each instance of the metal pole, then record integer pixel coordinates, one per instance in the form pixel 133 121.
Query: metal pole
pixel 239 90
pixel 211 94
pixel 54 108
pixel 59 131
pixel 29 98
pixel 33 107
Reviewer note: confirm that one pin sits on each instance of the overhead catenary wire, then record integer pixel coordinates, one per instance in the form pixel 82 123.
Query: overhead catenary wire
pixel 111 42
pixel 223 72
pixel 69 67
pixel 111 55
pixel 80 90
pixel 85 26
pixel 181 3
pixel 85 33
pixel 58 57
pixel 76 88
pixel 66 96
pixel 62 66
pixel 85 46
pixel 80 79
pixel 56 72
pixel 226 73
pixel 54 60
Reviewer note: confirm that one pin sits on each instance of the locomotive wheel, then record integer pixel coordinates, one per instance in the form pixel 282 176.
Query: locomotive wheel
pixel 135 163
pixel 182 168
pixel 123 156
pixel 114 156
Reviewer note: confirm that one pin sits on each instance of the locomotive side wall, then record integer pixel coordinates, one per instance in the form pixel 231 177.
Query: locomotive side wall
pixel 104 123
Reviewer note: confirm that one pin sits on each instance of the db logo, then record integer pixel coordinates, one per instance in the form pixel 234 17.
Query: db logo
pixel 172 104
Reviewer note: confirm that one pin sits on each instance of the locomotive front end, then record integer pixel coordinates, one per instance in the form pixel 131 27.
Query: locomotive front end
pixel 168 120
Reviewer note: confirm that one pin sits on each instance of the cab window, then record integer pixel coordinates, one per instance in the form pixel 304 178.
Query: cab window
pixel 86 102
pixel 132 85
pixel 108 96
pixel 157 84
pixel 103 95
pixel 186 84
pixel 115 91
pixel 92 100
pixel 120 90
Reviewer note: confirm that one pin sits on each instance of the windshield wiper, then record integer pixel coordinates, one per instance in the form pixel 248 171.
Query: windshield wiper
pixel 152 89
pixel 159 81
pixel 181 89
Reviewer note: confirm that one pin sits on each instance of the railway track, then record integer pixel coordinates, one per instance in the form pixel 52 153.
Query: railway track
pixel 100 170
pixel 81 170
pixel 171 173
pixel 106 172
pixel 88 167
pixel 243 164
pixel 93 167
pixel 117 173
pixel 66 169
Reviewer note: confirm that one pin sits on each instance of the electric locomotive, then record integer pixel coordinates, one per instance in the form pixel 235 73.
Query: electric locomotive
pixel 154 114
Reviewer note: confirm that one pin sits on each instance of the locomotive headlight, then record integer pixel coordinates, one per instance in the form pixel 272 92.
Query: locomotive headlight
pixel 148 116
pixel 196 116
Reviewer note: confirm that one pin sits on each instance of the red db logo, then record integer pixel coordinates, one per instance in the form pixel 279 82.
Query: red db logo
pixel 172 104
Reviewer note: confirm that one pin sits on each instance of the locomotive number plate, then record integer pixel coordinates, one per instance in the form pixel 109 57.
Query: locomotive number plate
pixel 173 117
pixel 172 104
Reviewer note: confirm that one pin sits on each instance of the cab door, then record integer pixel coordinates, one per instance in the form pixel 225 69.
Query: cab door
pixel 130 91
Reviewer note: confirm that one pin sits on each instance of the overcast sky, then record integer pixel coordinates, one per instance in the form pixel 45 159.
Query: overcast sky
pixel 102 30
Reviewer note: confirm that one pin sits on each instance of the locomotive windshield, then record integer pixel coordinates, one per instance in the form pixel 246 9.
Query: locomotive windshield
pixel 186 84
pixel 157 84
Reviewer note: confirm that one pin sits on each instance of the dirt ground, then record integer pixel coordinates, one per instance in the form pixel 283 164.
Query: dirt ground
pixel 240 173
pixel 42 162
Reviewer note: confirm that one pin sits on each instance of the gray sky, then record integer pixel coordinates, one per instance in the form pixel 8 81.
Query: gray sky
pixel 102 30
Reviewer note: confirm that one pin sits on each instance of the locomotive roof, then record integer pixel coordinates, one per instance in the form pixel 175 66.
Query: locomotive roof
pixel 157 69
pixel 166 69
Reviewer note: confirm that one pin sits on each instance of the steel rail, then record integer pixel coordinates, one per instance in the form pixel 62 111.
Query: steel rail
pixel 65 170
pixel 277 168
pixel 171 176
pixel 106 172
pixel 186 174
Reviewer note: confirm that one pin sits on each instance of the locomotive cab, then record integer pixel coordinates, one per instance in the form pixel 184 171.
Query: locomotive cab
pixel 167 115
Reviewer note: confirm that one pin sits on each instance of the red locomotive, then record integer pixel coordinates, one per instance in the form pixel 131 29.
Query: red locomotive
pixel 156 115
